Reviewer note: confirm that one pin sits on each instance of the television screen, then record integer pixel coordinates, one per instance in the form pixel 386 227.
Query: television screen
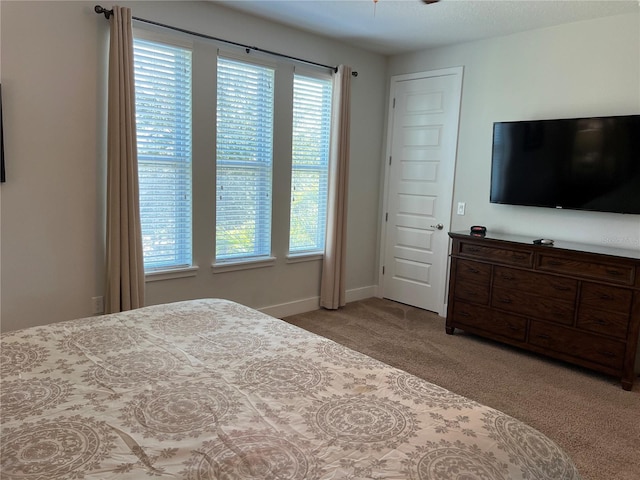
pixel 579 163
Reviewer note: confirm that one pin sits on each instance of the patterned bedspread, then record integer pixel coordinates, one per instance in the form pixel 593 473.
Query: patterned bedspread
pixel 210 389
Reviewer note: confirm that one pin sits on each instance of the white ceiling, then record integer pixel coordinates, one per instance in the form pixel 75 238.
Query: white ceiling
pixel 396 26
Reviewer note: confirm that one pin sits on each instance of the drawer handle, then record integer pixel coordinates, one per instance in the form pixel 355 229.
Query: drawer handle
pixel 555 263
pixel 600 321
pixel 604 296
pixel 513 327
pixel 519 256
pixel 614 273
pixel 473 249
pixel 470 294
pixel 561 288
pixel 507 277
pixel 473 270
pixel 464 314
pixel 544 336
pixel 608 354
pixel 505 300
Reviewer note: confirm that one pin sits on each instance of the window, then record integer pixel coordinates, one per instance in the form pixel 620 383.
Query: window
pixel 310 163
pixel 170 75
pixel 163 123
pixel 244 160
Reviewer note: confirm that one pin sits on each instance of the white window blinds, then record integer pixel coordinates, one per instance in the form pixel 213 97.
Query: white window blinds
pixel 163 123
pixel 244 160
pixel 310 163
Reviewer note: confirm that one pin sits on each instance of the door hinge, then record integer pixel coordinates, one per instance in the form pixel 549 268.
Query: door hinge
pixel 389 159
pixel 386 217
pixel 383 270
pixel 394 103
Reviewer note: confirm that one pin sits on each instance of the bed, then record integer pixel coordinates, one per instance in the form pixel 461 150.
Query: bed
pixel 211 389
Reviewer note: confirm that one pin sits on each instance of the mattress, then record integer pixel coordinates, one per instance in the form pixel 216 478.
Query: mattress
pixel 211 389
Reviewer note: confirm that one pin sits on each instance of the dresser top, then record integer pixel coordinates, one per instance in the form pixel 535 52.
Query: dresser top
pixel 633 253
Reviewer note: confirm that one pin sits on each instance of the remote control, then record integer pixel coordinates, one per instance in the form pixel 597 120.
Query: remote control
pixel 543 241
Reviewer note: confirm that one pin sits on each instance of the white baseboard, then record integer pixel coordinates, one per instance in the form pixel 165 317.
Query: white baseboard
pixel 313 303
pixel 292 308
pixel 361 293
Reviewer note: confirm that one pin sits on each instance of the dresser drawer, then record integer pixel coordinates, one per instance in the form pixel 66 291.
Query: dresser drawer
pixel 579 303
pixel 472 292
pixel 497 323
pixel 537 283
pixel 500 255
pixel 602 321
pixel 609 353
pixel 552 309
pixel 606 297
pixel 609 272
pixel 469 271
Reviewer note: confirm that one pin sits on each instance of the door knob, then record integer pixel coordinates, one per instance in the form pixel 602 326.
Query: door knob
pixel 438 226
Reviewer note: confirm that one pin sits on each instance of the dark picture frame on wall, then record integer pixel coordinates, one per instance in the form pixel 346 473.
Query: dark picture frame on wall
pixel 2 176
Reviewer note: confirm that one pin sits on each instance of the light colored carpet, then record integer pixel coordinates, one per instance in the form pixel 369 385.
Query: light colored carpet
pixel 587 414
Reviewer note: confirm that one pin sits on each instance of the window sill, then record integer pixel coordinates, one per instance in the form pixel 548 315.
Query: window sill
pixel 304 257
pixel 170 273
pixel 245 264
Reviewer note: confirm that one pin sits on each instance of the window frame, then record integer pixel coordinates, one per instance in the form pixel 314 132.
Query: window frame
pixel 188 269
pixel 205 59
pixel 294 256
pixel 248 261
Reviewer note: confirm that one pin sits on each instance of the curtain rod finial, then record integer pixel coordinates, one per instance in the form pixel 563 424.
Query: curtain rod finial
pixel 99 9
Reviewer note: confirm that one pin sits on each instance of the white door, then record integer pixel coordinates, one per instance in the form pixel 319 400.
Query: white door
pixel 422 140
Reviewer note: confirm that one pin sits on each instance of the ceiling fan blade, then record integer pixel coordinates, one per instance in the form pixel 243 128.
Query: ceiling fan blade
pixel 429 2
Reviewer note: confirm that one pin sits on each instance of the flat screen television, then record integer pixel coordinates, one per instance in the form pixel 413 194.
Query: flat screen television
pixel 577 163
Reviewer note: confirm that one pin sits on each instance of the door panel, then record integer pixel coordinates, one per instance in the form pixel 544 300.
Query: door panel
pixel 422 145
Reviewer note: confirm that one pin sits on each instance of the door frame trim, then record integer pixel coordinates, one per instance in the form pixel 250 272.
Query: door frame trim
pixel 457 73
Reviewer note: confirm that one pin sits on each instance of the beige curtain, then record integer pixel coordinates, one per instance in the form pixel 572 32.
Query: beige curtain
pixel 332 287
pixel 125 267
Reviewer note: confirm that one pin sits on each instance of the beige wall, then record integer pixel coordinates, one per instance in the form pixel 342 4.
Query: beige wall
pixel 587 68
pixel 52 210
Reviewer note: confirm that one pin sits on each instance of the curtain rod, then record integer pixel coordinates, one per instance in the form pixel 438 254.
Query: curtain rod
pixel 107 13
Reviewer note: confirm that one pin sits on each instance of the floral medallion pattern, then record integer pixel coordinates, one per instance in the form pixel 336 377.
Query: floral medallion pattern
pixel 174 411
pixel 210 389
pixel 100 340
pixel 414 389
pixel 284 376
pixel 536 454
pixel 21 398
pixel 363 422
pixel 18 357
pixel 226 344
pixel 342 356
pixel 253 455
pixel 132 368
pixel 286 331
pixel 61 448
pixel 189 325
pixel 447 460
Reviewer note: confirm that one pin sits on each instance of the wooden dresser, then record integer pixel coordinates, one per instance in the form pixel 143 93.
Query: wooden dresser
pixel 577 303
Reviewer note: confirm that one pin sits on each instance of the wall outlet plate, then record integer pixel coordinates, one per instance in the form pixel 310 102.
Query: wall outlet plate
pixel 97 305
